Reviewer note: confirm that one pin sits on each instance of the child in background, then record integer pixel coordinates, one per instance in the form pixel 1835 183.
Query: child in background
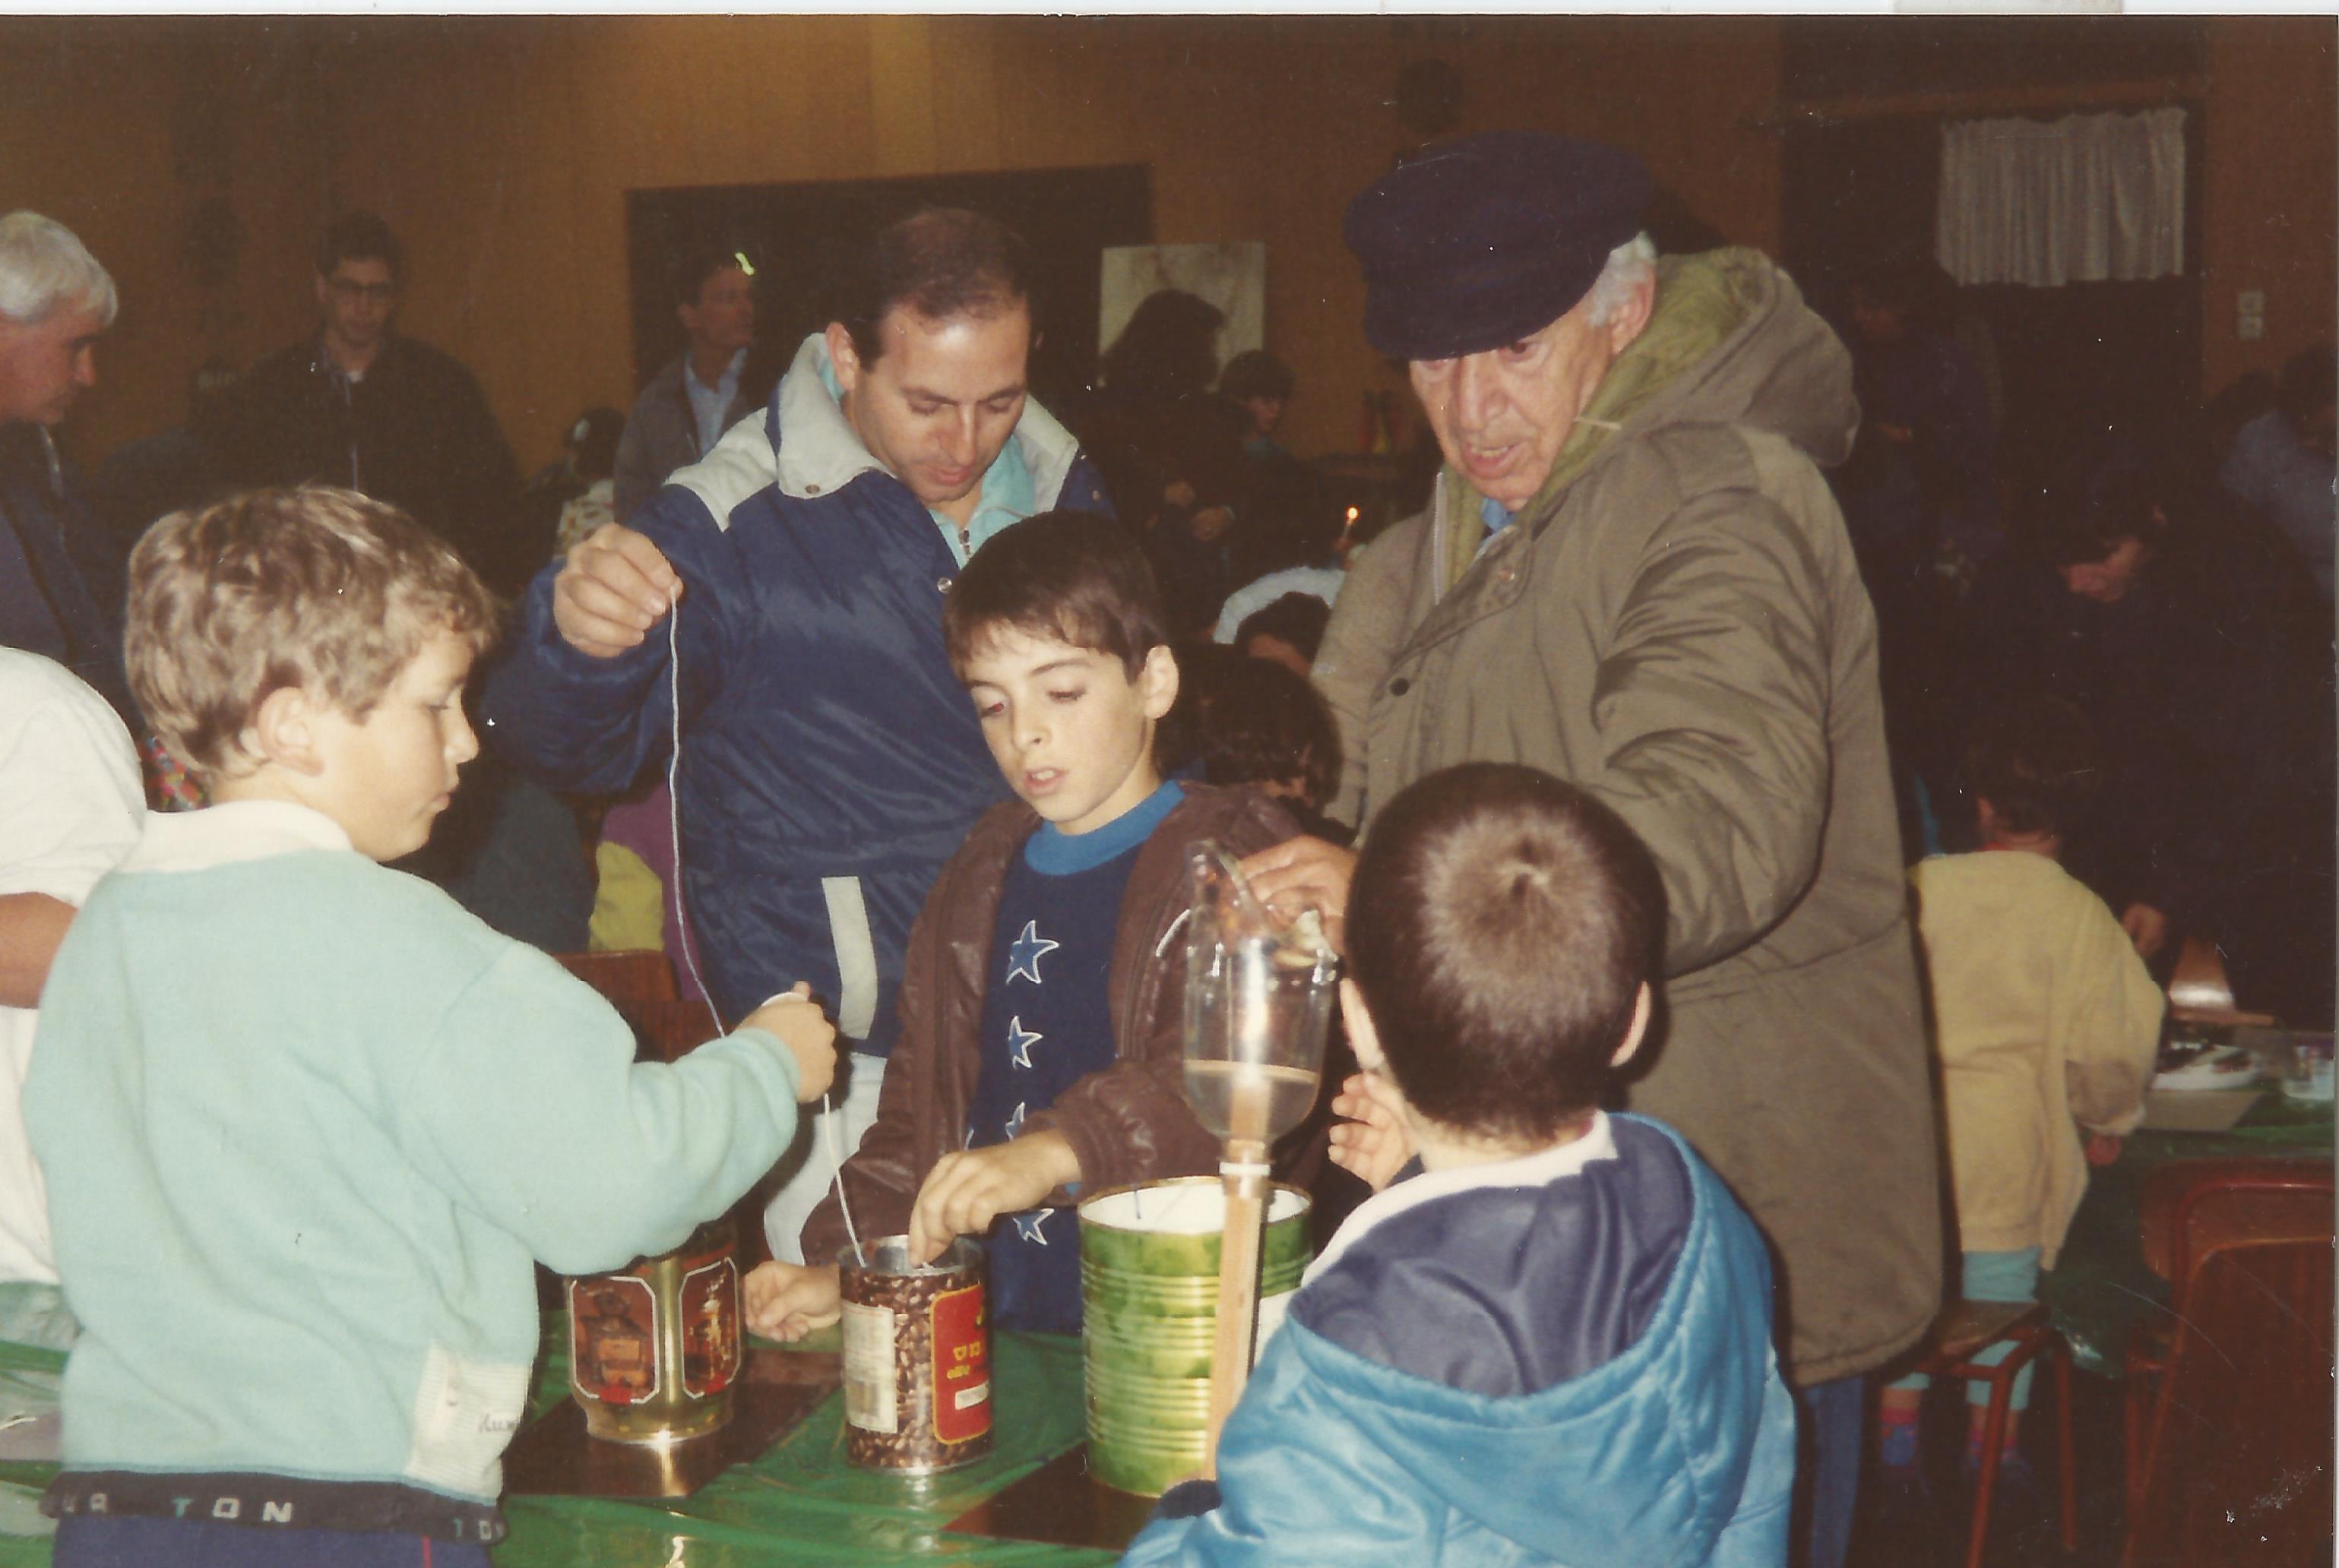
pixel 636 896
pixel 1057 1063
pixel 2045 1022
pixel 576 494
pixel 1259 723
pixel 305 1122
pixel 1258 384
pixel 1554 1343
pixel 1286 632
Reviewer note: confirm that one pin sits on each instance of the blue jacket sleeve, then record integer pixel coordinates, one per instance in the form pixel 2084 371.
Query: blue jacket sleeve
pixel 575 722
pixel 1297 1485
pixel 1756 1535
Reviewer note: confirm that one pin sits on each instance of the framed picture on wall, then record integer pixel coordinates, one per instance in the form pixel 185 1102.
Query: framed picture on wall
pixel 1231 277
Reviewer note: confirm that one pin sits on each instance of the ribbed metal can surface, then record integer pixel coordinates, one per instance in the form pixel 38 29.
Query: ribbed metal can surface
pixel 1149 1319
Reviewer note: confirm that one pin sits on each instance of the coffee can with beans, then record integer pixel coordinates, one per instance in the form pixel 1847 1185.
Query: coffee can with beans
pixel 917 1357
pixel 655 1346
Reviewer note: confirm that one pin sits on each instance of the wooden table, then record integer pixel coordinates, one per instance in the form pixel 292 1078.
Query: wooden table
pixel 2105 1281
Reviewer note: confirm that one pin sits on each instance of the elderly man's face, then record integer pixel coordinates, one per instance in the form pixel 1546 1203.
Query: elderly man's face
pixel 1503 415
pixel 45 367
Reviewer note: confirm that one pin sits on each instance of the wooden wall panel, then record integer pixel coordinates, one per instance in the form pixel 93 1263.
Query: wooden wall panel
pixel 104 126
pixel 2271 221
pixel 504 148
pixel 905 129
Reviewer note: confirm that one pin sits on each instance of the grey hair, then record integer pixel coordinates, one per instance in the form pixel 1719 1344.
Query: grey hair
pixel 1629 266
pixel 45 268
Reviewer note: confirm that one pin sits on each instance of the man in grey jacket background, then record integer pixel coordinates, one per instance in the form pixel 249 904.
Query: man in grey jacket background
pixel 1631 575
pixel 698 395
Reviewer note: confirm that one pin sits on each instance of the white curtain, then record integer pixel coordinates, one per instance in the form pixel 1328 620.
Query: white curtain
pixel 2087 198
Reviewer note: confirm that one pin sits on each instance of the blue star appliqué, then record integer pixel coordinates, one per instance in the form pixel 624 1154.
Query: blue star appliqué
pixel 1020 1041
pixel 1025 954
pixel 1028 1227
pixel 1015 1119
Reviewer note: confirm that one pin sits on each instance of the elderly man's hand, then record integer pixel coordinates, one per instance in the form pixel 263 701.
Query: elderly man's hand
pixel 614 588
pixel 1304 873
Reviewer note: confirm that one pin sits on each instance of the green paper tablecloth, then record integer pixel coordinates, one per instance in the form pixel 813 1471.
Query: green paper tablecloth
pixel 799 1504
pixel 2099 1286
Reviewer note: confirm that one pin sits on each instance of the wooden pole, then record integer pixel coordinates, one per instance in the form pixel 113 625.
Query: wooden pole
pixel 1245 1174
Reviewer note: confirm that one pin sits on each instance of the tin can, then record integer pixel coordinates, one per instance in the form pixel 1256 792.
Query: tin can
pixel 1149 1319
pixel 917 1358
pixel 655 1348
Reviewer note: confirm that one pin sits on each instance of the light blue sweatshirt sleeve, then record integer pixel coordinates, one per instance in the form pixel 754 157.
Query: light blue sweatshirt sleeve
pixel 527 1105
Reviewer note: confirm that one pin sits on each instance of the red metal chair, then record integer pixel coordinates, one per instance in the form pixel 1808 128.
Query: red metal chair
pixel 640 975
pixel 1965 1328
pixel 669 1031
pixel 2229 1399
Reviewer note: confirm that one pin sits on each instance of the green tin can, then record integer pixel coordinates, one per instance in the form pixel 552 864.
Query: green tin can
pixel 1149 1319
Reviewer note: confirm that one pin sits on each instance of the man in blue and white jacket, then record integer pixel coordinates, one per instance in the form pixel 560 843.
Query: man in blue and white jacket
pixel 785 594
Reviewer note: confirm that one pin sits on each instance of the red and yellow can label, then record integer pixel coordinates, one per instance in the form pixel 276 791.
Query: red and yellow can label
pixel 962 1343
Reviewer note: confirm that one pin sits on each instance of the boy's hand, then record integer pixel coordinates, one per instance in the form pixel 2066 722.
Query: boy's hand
pixel 1373 1144
pixel 805 1030
pixel 786 1301
pixel 2103 1148
pixel 1304 873
pixel 612 589
pixel 970 1188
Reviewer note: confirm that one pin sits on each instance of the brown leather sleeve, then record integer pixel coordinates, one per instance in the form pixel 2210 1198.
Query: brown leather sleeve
pixel 921 1109
pixel 1130 1122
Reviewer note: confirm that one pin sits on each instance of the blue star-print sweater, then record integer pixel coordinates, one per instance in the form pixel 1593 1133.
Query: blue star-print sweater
pixel 1047 1024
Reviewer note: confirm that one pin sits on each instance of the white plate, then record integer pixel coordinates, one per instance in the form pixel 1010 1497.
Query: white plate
pixel 2219 1067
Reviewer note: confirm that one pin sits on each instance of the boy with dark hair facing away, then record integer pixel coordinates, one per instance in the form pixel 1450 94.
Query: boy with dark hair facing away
pixel 305 1121
pixel 1286 632
pixel 1554 1343
pixel 2044 1021
pixel 1262 724
pixel 1057 1062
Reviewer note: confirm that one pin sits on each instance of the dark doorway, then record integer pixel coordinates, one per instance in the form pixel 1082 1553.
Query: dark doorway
pixel 2070 358
pixel 801 237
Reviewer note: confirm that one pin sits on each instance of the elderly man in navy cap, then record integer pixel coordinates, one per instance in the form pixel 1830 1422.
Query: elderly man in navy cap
pixel 1632 574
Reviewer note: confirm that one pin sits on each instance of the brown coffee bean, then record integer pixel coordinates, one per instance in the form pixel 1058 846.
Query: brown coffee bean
pixel 924 1438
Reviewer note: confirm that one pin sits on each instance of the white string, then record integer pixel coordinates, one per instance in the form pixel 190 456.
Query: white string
pixel 674 804
pixel 836 1164
pixel 830 1113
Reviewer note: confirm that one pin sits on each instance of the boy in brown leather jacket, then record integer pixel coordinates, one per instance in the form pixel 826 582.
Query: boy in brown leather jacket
pixel 1042 997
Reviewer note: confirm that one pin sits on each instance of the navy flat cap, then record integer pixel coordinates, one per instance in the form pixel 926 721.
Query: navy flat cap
pixel 1482 243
